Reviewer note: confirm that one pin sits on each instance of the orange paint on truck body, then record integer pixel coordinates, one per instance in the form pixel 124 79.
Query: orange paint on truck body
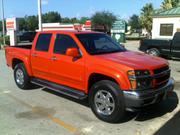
pixel 75 73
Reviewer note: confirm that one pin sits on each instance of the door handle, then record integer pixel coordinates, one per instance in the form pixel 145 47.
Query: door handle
pixel 34 55
pixel 54 58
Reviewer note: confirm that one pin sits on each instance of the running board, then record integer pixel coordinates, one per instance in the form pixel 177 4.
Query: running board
pixel 60 88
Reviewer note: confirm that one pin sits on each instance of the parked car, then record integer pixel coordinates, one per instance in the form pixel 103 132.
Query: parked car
pixel 27 36
pixel 161 47
pixel 91 64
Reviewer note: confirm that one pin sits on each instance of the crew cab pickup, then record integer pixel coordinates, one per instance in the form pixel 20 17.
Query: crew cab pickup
pixel 91 64
pixel 160 47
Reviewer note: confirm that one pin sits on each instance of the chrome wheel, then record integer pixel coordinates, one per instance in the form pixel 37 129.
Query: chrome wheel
pixel 20 77
pixel 104 102
pixel 153 52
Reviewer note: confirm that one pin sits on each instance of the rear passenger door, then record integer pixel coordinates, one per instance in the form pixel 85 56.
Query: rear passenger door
pixel 40 56
pixel 176 45
pixel 64 69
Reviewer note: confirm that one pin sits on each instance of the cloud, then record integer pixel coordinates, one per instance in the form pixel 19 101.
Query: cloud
pixel 45 2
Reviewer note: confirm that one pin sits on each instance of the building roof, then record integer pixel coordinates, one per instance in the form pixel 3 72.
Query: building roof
pixel 173 12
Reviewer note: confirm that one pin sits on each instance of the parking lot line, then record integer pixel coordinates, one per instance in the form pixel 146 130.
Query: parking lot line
pixel 55 120
pixel 5 92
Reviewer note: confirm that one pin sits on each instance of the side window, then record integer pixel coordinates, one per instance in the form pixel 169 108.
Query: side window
pixel 62 43
pixel 43 42
pixel 176 40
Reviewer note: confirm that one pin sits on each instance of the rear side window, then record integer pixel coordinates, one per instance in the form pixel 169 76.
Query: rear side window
pixel 176 39
pixel 43 42
pixel 62 43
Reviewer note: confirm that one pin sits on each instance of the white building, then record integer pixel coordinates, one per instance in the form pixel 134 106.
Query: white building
pixel 166 23
pixel 60 26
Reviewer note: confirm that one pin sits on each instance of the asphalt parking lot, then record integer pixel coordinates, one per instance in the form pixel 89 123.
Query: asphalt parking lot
pixel 43 112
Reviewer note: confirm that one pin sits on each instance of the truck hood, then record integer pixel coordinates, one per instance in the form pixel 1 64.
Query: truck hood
pixel 134 60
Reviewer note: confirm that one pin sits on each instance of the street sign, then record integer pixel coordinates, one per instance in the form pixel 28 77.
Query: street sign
pixel 12 27
pixel 119 26
pixel 118 31
pixel 11 24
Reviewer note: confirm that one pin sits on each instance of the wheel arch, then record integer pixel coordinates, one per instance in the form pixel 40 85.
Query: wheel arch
pixel 16 61
pixel 153 46
pixel 95 77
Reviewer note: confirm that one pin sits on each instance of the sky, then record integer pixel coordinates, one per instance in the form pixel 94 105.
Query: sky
pixel 77 8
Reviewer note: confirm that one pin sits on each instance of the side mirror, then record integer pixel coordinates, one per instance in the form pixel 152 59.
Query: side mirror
pixel 73 52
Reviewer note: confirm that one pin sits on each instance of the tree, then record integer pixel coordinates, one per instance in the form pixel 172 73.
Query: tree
pixel 51 17
pixel 0 26
pixel 146 17
pixel 74 20
pixel 175 3
pixel 66 20
pixel 83 20
pixel 22 24
pixel 168 4
pixel 31 22
pixel 134 22
pixel 103 18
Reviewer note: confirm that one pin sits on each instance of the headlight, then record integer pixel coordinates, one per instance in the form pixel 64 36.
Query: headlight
pixel 140 79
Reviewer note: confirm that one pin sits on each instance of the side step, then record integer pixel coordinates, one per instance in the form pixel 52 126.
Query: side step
pixel 60 88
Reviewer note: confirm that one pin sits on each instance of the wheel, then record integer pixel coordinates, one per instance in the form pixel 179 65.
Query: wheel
pixel 153 52
pixel 21 77
pixel 107 102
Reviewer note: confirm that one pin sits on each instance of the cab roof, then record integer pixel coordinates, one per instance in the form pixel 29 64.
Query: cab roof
pixel 69 32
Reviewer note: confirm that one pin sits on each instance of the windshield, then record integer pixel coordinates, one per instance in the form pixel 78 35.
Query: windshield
pixel 99 43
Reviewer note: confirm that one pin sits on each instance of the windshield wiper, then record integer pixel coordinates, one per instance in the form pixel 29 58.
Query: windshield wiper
pixel 105 52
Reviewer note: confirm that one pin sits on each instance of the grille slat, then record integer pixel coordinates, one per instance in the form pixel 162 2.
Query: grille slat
pixel 162 76
pixel 160 70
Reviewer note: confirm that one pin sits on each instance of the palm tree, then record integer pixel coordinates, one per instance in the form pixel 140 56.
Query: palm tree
pixel 175 3
pixel 166 4
pixel 146 17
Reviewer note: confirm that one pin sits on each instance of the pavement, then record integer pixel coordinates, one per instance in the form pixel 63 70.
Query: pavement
pixel 44 112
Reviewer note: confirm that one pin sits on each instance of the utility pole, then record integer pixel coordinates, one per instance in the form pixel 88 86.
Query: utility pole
pixel 3 25
pixel 40 15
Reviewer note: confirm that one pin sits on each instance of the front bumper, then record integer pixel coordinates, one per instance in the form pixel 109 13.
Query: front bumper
pixel 138 99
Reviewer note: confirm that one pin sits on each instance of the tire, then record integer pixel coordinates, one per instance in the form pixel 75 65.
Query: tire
pixel 116 111
pixel 21 77
pixel 153 52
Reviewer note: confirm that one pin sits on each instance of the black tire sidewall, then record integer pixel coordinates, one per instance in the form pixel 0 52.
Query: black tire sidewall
pixel 26 83
pixel 117 94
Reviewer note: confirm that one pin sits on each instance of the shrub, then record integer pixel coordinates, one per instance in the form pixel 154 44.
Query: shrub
pixel 7 40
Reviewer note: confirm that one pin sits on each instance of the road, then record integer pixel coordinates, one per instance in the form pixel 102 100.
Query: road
pixel 43 112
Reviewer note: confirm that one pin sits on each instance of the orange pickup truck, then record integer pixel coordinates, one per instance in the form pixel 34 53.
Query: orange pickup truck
pixel 91 64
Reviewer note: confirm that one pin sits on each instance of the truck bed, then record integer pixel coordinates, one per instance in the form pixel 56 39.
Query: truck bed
pixel 156 43
pixel 22 46
pixel 21 51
